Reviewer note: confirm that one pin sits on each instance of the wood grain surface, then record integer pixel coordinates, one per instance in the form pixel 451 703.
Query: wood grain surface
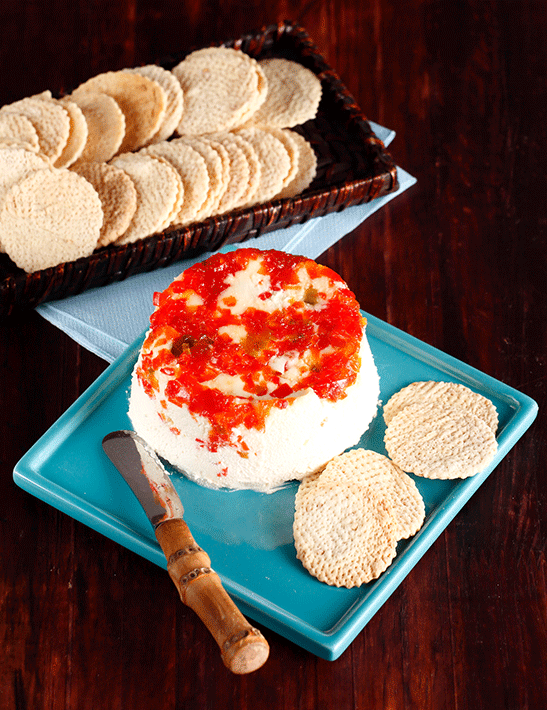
pixel 459 261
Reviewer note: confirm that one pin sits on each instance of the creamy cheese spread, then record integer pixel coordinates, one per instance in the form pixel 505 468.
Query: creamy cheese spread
pixel 256 370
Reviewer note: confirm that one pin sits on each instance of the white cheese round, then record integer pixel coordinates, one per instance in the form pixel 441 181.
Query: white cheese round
pixel 296 423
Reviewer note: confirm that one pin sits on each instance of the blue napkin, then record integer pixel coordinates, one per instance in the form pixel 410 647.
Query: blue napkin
pixel 106 320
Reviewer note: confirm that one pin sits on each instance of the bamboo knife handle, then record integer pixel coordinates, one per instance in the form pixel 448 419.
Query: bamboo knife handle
pixel 243 647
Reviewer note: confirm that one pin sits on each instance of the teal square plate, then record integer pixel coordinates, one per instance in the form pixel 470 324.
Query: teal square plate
pixel 248 535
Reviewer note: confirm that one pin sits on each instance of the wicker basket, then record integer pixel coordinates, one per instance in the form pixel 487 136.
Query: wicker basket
pixel 353 168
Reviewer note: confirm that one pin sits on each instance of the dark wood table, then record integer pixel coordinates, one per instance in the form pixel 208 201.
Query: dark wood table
pixel 459 261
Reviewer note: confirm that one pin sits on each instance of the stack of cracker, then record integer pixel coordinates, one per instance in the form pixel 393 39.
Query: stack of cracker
pixel 350 517
pixel 134 152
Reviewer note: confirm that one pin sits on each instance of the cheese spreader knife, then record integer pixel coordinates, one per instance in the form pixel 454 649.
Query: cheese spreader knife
pixel 243 648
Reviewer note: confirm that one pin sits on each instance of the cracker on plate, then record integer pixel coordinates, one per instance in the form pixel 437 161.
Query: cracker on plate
pixel 388 482
pixel 447 393
pixel 437 441
pixel 345 535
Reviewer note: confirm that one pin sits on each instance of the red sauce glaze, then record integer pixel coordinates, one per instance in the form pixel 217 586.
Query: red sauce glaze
pixel 184 341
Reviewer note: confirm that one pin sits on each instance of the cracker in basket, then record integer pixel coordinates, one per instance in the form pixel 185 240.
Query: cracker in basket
pixel 221 89
pixel 254 168
pixel 388 482
pixel 142 101
pixel 49 118
pixel 174 98
pixel 77 136
pixel 446 393
pixel 343 535
pixel 292 148
pixel 262 92
pixel 49 217
pixel 238 172
pixel 15 163
pixel 192 168
pixel 105 126
pixel 436 441
pixel 179 197
pixel 118 198
pixel 17 130
pixel 306 167
pixel 275 162
pixel 225 163
pixel 158 188
pixel 293 97
pixel 216 171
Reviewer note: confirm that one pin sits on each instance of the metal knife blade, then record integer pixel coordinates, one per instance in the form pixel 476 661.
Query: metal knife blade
pixel 145 475
pixel 243 648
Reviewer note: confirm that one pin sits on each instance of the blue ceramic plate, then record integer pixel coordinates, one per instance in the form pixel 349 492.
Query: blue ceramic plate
pixel 249 535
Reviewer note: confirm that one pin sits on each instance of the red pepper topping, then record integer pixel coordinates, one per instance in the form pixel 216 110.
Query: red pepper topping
pixel 191 340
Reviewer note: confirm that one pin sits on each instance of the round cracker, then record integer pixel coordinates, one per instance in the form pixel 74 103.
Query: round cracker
pixel 49 217
pixel 343 535
pixel 436 441
pixel 292 148
pixel 446 393
pixel 306 168
pixel 10 143
pixel 275 163
pixel 77 136
pixel 17 162
pixel 118 198
pixel 220 86
pixel 179 198
pixel 157 189
pixel 105 126
pixel 174 98
pixel 308 483
pixel 142 101
pixel 215 170
pixel 388 482
pixel 17 129
pixel 254 168
pixel 192 168
pixel 262 92
pixel 49 118
pixel 238 172
pixel 293 97
pixel 225 163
